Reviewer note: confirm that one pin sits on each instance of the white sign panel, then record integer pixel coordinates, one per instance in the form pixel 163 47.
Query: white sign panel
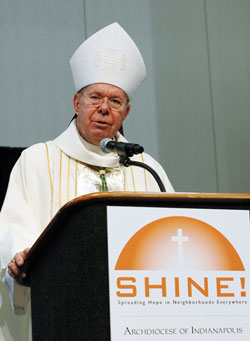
pixel 179 273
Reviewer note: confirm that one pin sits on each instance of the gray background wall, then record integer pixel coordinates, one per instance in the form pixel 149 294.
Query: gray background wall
pixel 193 111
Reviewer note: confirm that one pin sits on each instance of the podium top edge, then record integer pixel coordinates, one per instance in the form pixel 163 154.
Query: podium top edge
pixel 161 196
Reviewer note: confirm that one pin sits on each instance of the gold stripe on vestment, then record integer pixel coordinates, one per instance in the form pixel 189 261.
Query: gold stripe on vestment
pixel 124 178
pixel 146 185
pixel 133 180
pixel 68 178
pixel 60 181
pixel 50 179
pixel 76 179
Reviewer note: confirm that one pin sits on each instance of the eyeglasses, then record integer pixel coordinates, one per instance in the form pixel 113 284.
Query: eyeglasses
pixel 96 101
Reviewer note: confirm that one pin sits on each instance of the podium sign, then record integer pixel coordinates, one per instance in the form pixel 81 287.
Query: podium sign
pixel 179 272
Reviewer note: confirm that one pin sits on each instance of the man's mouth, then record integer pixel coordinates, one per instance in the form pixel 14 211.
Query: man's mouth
pixel 102 123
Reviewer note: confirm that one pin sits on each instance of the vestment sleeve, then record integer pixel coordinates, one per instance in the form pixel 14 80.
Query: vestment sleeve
pixel 20 221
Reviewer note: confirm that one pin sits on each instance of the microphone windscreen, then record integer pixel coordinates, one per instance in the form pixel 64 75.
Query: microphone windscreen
pixel 103 144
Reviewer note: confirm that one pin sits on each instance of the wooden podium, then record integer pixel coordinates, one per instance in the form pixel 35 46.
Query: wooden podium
pixel 67 267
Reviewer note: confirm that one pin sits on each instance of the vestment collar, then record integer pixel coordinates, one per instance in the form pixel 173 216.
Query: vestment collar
pixel 72 144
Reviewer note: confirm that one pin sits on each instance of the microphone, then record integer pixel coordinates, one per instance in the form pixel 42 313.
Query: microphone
pixel 121 148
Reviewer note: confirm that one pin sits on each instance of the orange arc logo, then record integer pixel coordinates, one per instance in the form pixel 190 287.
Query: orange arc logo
pixel 175 243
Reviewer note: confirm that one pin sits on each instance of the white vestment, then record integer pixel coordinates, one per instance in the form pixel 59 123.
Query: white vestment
pixel 46 176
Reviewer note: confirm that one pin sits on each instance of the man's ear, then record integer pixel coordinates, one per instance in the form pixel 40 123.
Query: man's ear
pixel 76 100
pixel 127 112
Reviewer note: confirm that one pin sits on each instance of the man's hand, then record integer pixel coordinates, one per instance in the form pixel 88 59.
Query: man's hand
pixel 17 261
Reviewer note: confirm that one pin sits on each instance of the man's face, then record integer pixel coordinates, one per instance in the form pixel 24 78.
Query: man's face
pixel 100 109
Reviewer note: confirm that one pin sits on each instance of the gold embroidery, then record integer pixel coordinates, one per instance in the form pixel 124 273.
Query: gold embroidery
pixel 51 185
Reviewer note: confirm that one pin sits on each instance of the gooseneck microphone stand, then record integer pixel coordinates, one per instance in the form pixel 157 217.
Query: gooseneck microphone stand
pixel 125 151
pixel 125 160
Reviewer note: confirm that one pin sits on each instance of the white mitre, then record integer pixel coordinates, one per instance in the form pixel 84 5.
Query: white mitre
pixel 109 56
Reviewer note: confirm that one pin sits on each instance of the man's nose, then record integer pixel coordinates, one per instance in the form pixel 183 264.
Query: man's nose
pixel 104 107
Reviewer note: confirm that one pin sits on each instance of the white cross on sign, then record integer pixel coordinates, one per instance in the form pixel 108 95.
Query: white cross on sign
pixel 180 239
